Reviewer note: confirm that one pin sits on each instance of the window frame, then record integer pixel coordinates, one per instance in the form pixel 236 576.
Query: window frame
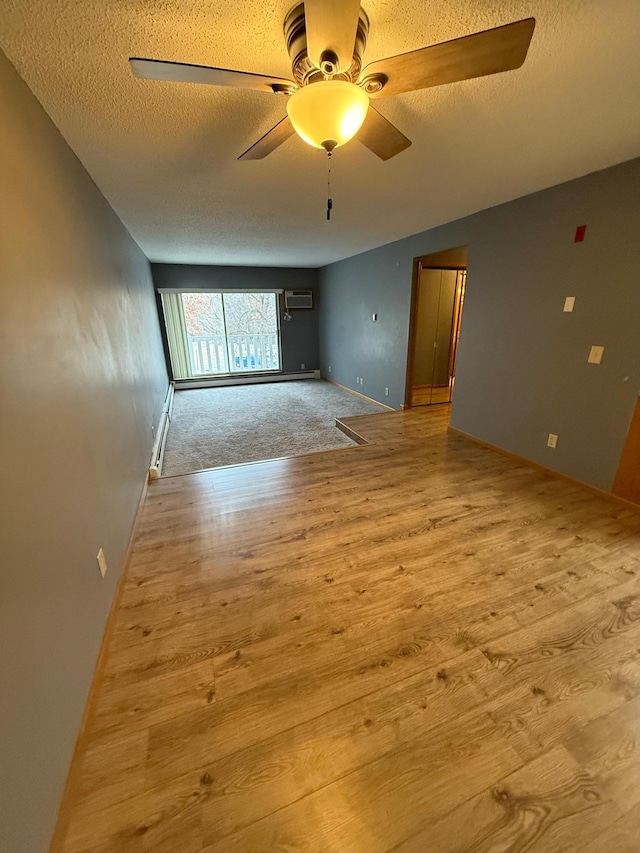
pixel 177 336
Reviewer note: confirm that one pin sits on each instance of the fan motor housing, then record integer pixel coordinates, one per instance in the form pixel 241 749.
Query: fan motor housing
pixel 304 71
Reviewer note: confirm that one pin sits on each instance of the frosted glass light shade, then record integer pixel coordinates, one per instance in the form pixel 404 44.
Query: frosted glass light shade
pixel 329 113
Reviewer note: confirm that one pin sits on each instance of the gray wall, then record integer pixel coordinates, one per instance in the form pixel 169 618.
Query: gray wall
pixel 522 367
pixel 299 335
pixel 82 379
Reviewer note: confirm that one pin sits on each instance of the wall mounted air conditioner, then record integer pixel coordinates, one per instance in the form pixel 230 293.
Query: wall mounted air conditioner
pixel 298 299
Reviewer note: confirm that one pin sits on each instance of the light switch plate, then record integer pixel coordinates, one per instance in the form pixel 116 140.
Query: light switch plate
pixel 569 303
pixel 595 355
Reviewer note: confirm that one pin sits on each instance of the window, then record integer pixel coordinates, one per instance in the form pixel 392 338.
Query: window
pixel 221 333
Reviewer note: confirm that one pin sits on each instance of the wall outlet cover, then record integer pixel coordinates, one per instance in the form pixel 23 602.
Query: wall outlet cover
pixel 102 562
pixel 569 304
pixel 552 441
pixel 595 355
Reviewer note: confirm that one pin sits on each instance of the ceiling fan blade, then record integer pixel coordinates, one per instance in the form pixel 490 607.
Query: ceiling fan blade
pixel 331 25
pixel 380 136
pixel 181 72
pixel 270 141
pixel 488 52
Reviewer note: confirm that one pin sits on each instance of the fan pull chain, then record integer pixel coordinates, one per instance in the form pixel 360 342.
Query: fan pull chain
pixel 329 199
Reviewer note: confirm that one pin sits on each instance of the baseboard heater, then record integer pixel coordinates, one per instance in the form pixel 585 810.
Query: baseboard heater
pixel 183 384
pixel 157 454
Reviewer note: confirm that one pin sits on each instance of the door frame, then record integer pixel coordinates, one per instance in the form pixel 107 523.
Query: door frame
pixel 418 266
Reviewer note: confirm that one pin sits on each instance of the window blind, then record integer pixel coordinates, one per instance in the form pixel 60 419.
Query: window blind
pixel 176 334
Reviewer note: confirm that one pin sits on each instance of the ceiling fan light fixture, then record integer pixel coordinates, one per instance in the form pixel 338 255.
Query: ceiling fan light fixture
pixel 331 111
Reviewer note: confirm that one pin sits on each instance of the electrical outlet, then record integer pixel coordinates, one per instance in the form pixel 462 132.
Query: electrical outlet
pixel 102 562
pixel 552 441
pixel 302 366
pixel 386 392
pixel 361 380
pixel 595 355
pixel 329 368
pixel 569 304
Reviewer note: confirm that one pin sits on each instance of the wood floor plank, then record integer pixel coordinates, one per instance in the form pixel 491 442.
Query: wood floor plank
pixel 130 707
pixel 376 806
pixel 254 782
pixel 622 836
pixel 566 693
pixel 349 651
pixel 167 821
pixel 609 748
pixel 250 715
pixel 259 781
pixel 551 804
pixel 582 626
pixel 100 788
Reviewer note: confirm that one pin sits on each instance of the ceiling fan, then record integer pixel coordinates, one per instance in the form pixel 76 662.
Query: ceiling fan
pixel 328 98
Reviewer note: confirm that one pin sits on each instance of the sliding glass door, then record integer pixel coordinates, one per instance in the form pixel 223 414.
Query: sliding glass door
pixel 205 332
pixel 218 333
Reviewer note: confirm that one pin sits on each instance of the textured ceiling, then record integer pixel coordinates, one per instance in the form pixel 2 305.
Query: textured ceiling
pixel 164 154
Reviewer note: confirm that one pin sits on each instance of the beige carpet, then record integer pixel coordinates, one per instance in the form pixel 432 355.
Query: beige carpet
pixel 211 427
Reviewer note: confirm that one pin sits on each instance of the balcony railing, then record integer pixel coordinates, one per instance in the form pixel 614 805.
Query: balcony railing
pixel 217 354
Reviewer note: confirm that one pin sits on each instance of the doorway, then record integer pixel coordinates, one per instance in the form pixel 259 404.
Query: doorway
pixel 436 311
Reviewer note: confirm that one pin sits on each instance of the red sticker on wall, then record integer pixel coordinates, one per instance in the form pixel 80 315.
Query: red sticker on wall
pixel 580 233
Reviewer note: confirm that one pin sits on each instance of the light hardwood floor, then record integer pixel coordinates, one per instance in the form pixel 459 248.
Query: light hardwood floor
pixel 415 645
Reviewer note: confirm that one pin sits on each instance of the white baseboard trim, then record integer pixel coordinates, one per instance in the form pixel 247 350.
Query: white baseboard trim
pixel 358 394
pixel 184 384
pixel 157 454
